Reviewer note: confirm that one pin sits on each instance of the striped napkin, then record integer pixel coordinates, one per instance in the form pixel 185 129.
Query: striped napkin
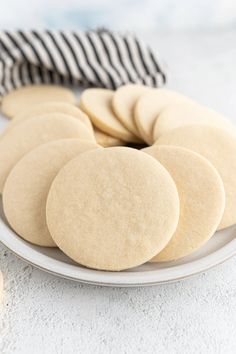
pixel 94 58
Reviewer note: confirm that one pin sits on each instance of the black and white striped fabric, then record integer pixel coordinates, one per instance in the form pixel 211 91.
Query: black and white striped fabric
pixel 95 58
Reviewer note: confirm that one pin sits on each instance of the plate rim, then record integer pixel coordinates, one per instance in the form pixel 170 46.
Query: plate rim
pixel 103 278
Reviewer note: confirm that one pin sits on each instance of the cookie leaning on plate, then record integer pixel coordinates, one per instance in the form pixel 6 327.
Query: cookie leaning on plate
pixel 21 99
pixel 27 186
pixel 150 105
pixel 219 147
pixel 51 108
pixel 106 140
pixel 125 213
pixel 97 104
pixel 187 113
pixel 36 131
pixel 202 199
pixel 123 104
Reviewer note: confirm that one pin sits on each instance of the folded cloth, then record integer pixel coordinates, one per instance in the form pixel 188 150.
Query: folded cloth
pixel 94 58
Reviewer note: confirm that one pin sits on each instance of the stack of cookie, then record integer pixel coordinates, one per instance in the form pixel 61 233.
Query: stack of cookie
pixel 130 113
pixel 69 179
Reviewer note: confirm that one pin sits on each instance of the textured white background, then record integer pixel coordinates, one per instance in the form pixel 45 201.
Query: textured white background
pixel 44 314
pixel 122 14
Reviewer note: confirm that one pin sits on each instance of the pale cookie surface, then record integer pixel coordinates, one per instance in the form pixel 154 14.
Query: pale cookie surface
pixel 21 99
pixel 125 213
pixel 27 186
pixel 219 147
pixel 52 107
pixel 97 104
pixel 106 140
pixel 27 135
pixel 123 103
pixel 150 105
pixel 202 199
pixel 177 115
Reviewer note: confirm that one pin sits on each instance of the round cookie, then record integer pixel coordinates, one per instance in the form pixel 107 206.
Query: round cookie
pixel 202 199
pixel 52 107
pixel 106 140
pixel 123 103
pixel 131 203
pixel 219 147
pixel 96 103
pixel 24 97
pixel 150 105
pixel 177 115
pixel 28 134
pixel 27 186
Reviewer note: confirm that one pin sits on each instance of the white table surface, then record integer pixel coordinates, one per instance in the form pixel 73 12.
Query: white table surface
pixel 45 314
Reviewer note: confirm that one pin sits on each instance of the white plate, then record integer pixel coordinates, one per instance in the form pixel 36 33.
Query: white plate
pixel 221 247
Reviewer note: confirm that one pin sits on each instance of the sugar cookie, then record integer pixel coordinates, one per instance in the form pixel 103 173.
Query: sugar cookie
pixel 33 132
pixel 96 103
pixel 150 105
pixel 219 147
pixel 27 186
pixel 106 140
pixel 202 199
pixel 52 107
pixel 123 103
pixel 177 115
pixel 21 99
pixel 126 212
